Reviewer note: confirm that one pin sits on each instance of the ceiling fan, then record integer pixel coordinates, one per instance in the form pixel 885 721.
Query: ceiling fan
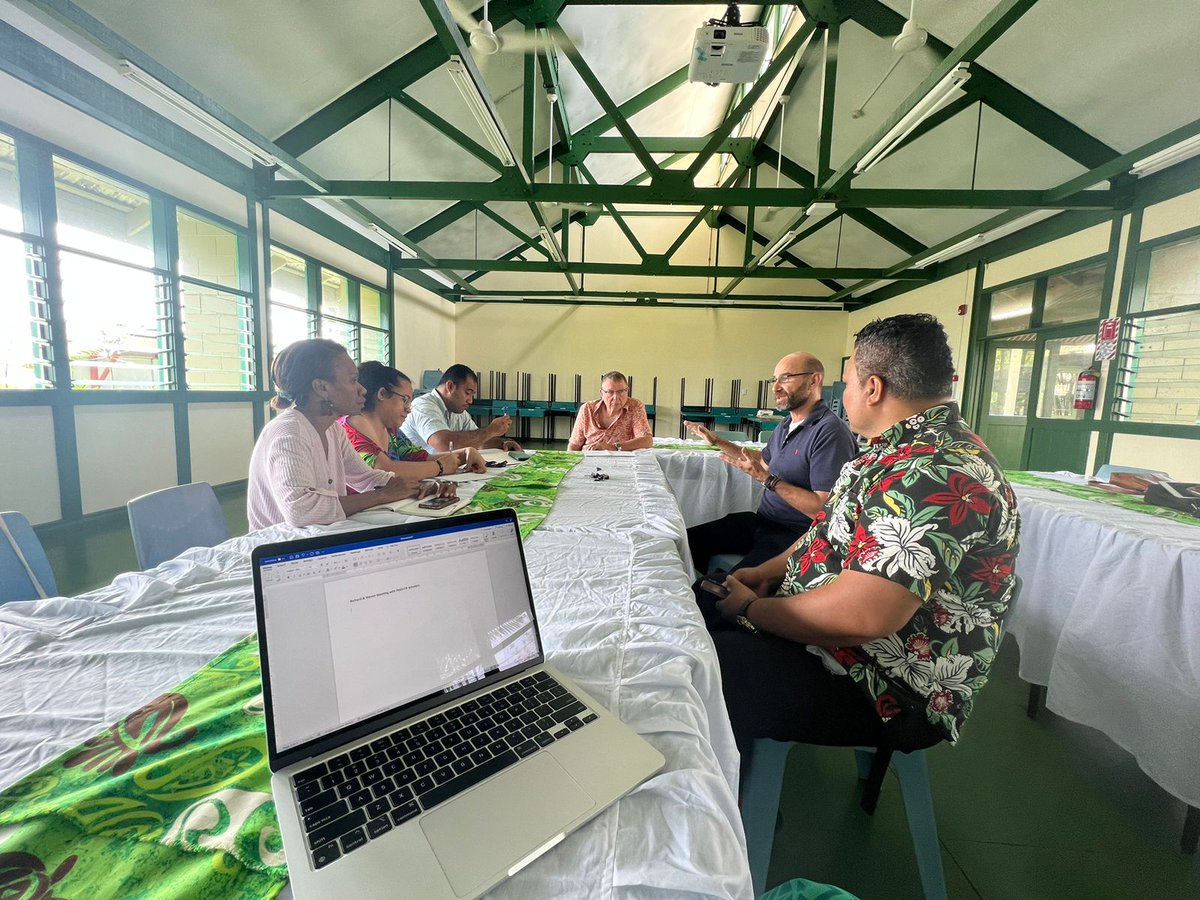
pixel 482 35
pixel 911 37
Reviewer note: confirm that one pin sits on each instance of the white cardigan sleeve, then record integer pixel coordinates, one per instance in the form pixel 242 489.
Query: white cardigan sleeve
pixel 295 482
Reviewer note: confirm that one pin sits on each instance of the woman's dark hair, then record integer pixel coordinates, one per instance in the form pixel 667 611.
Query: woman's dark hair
pixel 910 353
pixel 297 365
pixel 374 375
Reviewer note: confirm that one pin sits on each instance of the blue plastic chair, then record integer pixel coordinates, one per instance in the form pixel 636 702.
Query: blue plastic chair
pixel 167 522
pixel 25 573
pixel 430 379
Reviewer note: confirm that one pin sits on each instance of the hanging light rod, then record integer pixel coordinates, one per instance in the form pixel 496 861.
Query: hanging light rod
pixel 202 118
pixel 1163 159
pixel 552 245
pixel 942 95
pixel 480 109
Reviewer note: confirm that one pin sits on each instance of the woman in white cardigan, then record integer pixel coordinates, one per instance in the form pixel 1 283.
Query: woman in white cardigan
pixel 302 463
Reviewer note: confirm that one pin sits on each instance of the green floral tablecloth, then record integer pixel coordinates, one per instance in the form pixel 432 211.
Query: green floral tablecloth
pixel 686 447
pixel 529 488
pixel 174 801
pixel 1126 501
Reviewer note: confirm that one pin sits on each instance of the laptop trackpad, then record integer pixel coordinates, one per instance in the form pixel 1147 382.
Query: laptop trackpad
pixel 503 820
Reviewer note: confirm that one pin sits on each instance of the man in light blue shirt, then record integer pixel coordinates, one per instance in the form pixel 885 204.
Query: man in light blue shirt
pixel 439 422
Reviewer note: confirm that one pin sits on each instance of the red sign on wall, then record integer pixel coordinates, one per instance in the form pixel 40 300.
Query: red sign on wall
pixel 1106 339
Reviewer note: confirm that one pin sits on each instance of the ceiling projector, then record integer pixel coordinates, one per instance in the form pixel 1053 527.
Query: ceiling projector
pixel 726 51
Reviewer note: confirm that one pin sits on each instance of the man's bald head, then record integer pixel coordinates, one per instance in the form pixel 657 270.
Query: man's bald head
pixel 798 380
pixel 799 362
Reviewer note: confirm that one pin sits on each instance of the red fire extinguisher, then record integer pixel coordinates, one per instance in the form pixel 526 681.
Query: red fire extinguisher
pixel 1085 389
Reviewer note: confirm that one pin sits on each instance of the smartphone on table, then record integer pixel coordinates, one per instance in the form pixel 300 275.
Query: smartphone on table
pixel 437 502
pixel 715 585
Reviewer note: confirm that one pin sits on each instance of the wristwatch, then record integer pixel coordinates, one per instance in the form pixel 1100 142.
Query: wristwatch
pixel 741 617
pixel 770 482
pixel 618 445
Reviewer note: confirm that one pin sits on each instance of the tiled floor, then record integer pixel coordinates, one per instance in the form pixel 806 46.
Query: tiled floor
pixel 1026 809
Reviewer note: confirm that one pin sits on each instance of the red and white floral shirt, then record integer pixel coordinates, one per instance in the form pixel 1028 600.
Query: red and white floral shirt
pixel 928 507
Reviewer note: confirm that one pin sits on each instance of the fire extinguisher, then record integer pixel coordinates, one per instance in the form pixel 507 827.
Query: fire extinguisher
pixel 1085 389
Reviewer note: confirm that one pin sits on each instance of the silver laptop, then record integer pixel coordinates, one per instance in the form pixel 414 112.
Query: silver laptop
pixel 419 745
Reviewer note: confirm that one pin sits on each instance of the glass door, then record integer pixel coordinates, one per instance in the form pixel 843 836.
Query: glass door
pixel 1006 395
pixel 1060 434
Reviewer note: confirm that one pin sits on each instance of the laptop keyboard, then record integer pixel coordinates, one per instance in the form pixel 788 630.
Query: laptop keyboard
pixel 362 794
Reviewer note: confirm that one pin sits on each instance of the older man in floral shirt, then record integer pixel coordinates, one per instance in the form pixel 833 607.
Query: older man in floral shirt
pixel 880 626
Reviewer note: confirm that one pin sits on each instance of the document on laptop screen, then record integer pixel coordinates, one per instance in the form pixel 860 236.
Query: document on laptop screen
pixel 363 628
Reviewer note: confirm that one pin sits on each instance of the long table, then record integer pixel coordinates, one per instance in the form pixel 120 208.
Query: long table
pixel 612 592
pixel 1109 621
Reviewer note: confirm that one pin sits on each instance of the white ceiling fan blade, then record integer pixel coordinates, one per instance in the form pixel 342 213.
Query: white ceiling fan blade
pixel 461 16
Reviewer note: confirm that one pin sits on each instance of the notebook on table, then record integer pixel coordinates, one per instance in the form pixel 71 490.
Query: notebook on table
pixel 419 745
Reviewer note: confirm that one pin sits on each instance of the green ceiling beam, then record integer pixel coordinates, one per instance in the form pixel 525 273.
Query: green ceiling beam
pixel 787 166
pixel 443 219
pixel 945 114
pixel 513 230
pixel 528 110
pixel 611 109
pixel 828 92
pixel 748 230
pixel 489 296
pixel 657 265
pixel 800 236
pixel 548 63
pixel 511 187
pixel 791 51
pixel 1015 105
pixel 989 30
pixel 734 223
pixel 886 230
pixel 733 178
pixel 663 145
pixel 670 301
pixel 427 115
pixel 617 217
pixel 390 81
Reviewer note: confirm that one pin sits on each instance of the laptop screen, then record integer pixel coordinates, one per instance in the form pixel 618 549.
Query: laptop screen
pixel 360 628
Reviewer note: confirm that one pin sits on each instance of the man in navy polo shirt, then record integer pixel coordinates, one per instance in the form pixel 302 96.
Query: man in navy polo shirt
pixel 798 468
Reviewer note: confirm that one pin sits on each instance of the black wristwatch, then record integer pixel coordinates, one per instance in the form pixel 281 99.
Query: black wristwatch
pixel 741 619
pixel 770 482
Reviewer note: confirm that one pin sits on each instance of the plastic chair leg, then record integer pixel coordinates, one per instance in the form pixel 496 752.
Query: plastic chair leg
pixel 863 758
pixel 913 770
pixel 761 785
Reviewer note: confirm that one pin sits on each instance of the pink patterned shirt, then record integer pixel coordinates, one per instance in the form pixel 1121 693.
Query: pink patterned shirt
pixel 631 423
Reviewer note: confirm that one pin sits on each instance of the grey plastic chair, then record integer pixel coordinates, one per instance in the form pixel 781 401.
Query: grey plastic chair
pixel 25 572
pixel 167 522
pixel 731 435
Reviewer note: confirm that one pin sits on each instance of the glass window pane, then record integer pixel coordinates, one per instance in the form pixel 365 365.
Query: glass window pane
pixel 370 306
pixel 289 280
pixel 375 346
pixel 1012 374
pixel 116 322
pixel 1074 296
pixel 218 339
pixel 1011 309
pixel 10 193
pixel 288 326
pixel 335 295
pixel 207 251
pixel 25 357
pixel 1174 276
pixel 1160 370
pixel 343 332
pixel 102 216
pixel 1064 359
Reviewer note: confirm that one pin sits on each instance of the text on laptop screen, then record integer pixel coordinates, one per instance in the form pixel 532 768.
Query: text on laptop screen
pixel 361 628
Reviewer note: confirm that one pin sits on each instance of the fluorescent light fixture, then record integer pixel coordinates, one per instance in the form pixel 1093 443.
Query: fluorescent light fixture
pixel 479 109
pixel 821 209
pixel 551 245
pixel 872 285
pixel 781 243
pixel 1017 224
pixel 943 94
pixel 952 250
pixel 390 238
pixel 204 119
pixel 440 278
pixel 1177 153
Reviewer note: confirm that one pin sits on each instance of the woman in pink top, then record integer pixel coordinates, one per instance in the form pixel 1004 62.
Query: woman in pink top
pixel 614 422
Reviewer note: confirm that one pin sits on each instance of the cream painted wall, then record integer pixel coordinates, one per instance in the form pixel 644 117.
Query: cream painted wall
pixel 1170 216
pixel 941 299
pixel 27 457
pixel 424 326
pixel 222 438
pixel 1081 245
pixel 124 451
pixel 724 344
pixel 1179 457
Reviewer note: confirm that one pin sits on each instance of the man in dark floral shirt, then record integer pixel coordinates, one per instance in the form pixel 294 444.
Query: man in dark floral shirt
pixel 880 626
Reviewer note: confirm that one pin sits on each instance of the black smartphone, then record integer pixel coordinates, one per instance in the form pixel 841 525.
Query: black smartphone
pixel 438 502
pixel 497 464
pixel 714 588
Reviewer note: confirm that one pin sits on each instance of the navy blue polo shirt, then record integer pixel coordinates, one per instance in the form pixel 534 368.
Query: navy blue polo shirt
pixel 810 456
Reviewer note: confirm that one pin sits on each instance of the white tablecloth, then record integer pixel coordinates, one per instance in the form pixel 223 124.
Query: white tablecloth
pixel 1109 620
pixel 613 597
pixel 705 487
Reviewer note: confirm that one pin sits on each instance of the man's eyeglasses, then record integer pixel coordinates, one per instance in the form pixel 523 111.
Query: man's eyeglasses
pixel 786 377
pixel 611 393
